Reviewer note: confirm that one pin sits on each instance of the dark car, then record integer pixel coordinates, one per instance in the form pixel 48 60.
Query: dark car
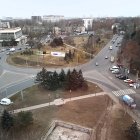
pixel 123 77
pixel 19 48
pixel 118 75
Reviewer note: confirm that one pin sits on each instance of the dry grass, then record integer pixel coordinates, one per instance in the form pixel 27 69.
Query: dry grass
pixel 36 95
pixel 85 112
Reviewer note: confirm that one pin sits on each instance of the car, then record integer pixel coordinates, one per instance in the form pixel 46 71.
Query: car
pixel 132 84
pixel 118 75
pixel 19 48
pixel 116 71
pixel 106 57
pixel 128 80
pixel 123 77
pixel 113 68
pixel 5 101
pixel 26 44
pixel 110 48
pixel 7 49
pixel 96 64
pixel 8 53
pixel 12 49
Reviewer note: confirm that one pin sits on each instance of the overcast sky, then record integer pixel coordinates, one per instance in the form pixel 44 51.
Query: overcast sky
pixel 69 8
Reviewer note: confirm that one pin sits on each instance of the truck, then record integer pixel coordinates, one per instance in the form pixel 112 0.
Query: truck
pixel 129 101
pixel 112 59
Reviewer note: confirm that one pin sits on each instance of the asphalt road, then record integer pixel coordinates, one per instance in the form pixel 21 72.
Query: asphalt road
pixel 15 79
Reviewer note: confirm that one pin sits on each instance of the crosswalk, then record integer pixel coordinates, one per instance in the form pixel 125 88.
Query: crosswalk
pixel 123 92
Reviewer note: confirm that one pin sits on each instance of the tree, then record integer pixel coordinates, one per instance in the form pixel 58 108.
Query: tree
pixel 74 80
pixel 55 81
pixel 133 131
pixel 68 83
pixel 7 120
pixel 41 76
pixel 62 78
pixel 24 118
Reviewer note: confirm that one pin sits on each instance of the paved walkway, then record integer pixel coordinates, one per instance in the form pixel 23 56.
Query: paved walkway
pixel 59 102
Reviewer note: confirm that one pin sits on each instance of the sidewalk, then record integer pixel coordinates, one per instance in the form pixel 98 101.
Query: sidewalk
pixel 59 101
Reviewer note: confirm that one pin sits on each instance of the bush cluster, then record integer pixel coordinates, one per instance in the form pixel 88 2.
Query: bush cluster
pixel 20 120
pixel 27 52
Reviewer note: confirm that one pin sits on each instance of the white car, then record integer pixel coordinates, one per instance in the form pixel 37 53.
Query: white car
pixel 128 80
pixel 110 48
pixel 106 57
pixel 96 64
pixel 5 101
pixel 12 49
pixel 116 71
pixel 113 68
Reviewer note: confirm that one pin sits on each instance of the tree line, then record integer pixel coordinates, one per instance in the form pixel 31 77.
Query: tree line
pixel 72 80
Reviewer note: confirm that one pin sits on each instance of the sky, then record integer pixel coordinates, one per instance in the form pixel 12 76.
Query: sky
pixel 69 8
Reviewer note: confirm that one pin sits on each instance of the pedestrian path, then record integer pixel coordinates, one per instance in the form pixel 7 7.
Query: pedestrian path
pixel 58 102
pixel 123 92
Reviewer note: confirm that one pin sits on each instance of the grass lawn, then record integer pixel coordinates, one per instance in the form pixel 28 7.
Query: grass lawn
pixel 50 61
pixel 35 95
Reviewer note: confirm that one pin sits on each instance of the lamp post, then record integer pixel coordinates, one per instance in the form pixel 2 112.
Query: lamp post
pixel 70 94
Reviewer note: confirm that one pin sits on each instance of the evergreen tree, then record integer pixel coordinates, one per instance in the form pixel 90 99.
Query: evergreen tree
pixel 133 131
pixel 62 78
pixel 81 80
pixel 41 75
pixel 49 82
pixel 55 81
pixel 68 82
pixel 74 80
pixel 6 120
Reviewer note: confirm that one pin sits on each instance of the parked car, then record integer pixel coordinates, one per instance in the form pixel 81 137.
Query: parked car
pixel 118 75
pixel 132 84
pixel 128 80
pixel 113 68
pixel 123 77
pixel 116 71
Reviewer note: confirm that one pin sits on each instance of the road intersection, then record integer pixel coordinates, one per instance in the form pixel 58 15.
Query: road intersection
pixel 14 79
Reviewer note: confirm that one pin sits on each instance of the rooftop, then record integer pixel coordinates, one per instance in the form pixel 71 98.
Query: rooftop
pixel 10 30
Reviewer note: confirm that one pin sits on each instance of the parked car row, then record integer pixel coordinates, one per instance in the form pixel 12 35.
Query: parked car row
pixel 125 78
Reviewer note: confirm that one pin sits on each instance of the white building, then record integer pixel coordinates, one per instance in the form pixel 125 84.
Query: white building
pixel 88 23
pixel 4 25
pixel 12 33
pixel 53 18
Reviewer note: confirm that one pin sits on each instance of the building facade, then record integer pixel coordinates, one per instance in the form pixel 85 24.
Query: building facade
pixel 52 18
pixel 12 33
pixel 36 19
pixel 88 23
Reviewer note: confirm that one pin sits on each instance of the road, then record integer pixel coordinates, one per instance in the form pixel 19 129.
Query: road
pixel 15 79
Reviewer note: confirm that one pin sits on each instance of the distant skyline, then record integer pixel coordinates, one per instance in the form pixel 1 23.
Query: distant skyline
pixel 72 8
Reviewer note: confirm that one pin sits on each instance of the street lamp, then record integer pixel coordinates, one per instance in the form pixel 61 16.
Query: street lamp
pixel 70 94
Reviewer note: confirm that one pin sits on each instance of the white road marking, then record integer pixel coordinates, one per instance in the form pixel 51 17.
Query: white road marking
pixel 123 92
